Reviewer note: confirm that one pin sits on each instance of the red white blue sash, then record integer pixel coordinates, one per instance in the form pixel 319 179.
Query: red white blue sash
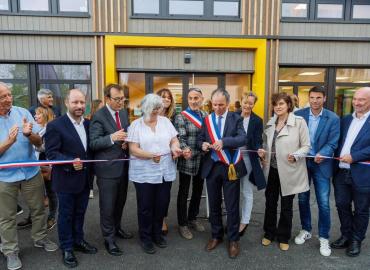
pixel 193 117
pixel 215 135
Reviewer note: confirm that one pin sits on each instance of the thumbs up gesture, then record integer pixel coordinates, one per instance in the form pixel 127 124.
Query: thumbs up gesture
pixel 27 128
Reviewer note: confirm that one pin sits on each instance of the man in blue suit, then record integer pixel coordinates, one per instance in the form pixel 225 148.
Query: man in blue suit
pixel 222 132
pixel 352 180
pixel 66 138
pixel 324 130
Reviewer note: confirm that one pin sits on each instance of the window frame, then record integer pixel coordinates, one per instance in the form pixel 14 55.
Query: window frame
pixel 359 2
pixel 207 12
pixel 54 10
pixel 312 12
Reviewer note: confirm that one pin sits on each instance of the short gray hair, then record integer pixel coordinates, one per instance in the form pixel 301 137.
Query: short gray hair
pixel 43 93
pixel 149 103
pixel 5 85
pixel 222 92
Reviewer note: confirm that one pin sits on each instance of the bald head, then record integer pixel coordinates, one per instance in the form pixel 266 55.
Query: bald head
pixel 361 101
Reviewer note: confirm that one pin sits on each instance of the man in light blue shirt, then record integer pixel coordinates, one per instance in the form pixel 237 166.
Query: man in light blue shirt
pixel 17 137
pixel 323 128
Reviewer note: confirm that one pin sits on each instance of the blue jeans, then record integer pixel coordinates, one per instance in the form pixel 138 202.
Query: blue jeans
pixel 322 191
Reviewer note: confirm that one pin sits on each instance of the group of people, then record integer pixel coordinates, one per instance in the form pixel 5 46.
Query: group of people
pixel 231 151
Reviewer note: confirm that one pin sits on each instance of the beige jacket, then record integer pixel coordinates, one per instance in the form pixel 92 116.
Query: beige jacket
pixel 292 139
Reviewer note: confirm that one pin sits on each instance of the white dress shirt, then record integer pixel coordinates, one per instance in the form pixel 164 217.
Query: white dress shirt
pixel 353 130
pixel 222 122
pixel 80 128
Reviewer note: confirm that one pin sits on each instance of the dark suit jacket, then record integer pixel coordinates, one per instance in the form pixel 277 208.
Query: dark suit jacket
pixel 360 151
pixel 101 127
pixel 62 142
pixel 233 137
pixel 254 142
pixel 326 138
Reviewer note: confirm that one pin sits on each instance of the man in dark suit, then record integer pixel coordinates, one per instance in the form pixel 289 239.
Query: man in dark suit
pixel 222 132
pixel 352 180
pixel 108 131
pixel 324 129
pixel 66 138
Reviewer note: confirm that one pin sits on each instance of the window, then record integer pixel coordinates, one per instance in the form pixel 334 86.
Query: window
pixel 16 76
pixel 325 10
pixel 294 10
pixel 361 9
pixel 186 7
pixel 183 9
pixel 57 78
pixel 73 6
pixel 223 8
pixel 146 6
pixel 330 11
pixel 4 5
pixel 34 5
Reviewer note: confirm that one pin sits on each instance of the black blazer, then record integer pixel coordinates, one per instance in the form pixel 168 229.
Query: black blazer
pixel 62 142
pixel 101 127
pixel 233 137
pixel 254 142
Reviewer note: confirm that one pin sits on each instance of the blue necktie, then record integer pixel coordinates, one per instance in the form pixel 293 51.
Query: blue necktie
pixel 219 124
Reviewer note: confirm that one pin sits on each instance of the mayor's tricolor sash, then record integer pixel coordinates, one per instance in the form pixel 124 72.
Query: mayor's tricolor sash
pixel 223 155
pixel 193 117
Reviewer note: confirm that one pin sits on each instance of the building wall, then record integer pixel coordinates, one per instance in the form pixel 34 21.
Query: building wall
pixel 324 53
pixel 173 59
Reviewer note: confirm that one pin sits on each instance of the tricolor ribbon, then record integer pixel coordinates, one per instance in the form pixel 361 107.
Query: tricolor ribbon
pixel 223 155
pixel 309 156
pixel 193 117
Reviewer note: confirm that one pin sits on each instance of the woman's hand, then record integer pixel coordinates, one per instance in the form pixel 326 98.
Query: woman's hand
pixel 176 151
pixel 291 158
pixel 156 158
pixel 261 153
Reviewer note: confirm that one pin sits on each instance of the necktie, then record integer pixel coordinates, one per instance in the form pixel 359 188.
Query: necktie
pixel 219 124
pixel 118 122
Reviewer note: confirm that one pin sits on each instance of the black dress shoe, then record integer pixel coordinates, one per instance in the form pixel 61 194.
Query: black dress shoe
pixel 160 242
pixel 340 243
pixel 124 235
pixel 113 249
pixel 148 247
pixel 354 248
pixel 69 259
pixel 85 247
pixel 241 233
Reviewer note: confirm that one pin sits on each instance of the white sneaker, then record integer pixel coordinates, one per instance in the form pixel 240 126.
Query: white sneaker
pixel 324 247
pixel 302 237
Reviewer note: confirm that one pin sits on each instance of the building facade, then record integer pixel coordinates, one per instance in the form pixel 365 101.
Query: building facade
pixel 261 45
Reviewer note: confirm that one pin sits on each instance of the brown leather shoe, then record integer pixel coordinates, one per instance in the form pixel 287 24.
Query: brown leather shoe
pixel 213 243
pixel 234 249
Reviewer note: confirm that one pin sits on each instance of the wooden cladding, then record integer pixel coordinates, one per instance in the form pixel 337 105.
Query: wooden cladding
pixel 272 68
pixel 110 16
pixel 99 66
pixel 260 17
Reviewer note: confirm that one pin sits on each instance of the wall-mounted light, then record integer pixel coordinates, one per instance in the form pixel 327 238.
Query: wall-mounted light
pixel 187 58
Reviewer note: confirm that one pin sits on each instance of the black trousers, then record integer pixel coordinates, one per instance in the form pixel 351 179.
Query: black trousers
pixel 353 223
pixel 216 182
pixel 152 202
pixel 183 215
pixel 112 199
pixel 284 229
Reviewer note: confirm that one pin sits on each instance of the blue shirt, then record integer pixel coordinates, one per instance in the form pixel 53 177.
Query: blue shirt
pixel 313 123
pixel 21 150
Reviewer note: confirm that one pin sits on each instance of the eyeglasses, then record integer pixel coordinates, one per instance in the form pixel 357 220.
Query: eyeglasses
pixel 118 99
